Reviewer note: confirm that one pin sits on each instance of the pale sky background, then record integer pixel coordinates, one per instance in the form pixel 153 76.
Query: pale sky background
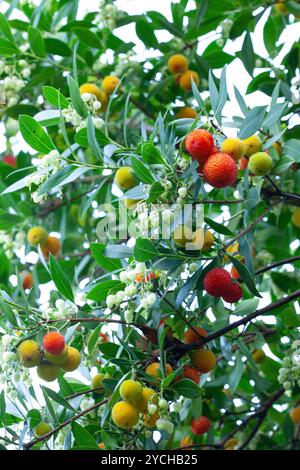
pixel 236 75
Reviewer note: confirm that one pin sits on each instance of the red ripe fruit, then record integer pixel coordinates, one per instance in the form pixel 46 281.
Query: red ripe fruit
pixel 243 163
pixel 233 294
pixel 192 373
pixel 200 425
pixel 54 342
pixel 199 143
pixel 215 150
pixel 10 160
pixel 217 282
pixel 220 170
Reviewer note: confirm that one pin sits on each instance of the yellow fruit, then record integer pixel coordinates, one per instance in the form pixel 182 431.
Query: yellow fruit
pixel 182 235
pixel 97 381
pixel 30 353
pixel 131 390
pixel 253 145
pixel 92 89
pixel 296 217
pixel 278 147
pixel 124 415
pixel 208 241
pixel 204 360
pixel 232 250
pixel 73 360
pixel 47 371
pixel 198 239
pixel 37 236
pixel 177 63
pixel 52 246
pixel 125 178
pixel 185 81
pixel 110 83
pixel 186 113
pixel 260 163
pixel 295 415
pixel 259 356
pixel 231 444
pixel 281 8
pixel 148 396
pixel 130 203
pixel 234 147
pixel 154 370
pixel 41 429
pixel 150 421
pixel 57 358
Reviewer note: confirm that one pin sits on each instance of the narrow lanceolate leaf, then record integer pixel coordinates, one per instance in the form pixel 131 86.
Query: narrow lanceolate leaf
pixel 35 135
pixel 95 147
pixel 5 28
pixel 36 41
pixel 55 97
pixel 83 439
pixel 105 262
pixel 151 154
pixel 144 250
pixel 103 289
pixel 247 54
pixel 93 338
pixel 245 275
pixel 60 279
pixel 252 122
pixel 141 171
pixel 76 99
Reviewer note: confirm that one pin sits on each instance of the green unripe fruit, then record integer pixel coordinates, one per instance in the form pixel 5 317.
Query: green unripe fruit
pixel 260 163
pixel 57 358
pixel 48 372
pixel 30 353
pixel 42 429
pixel 37 236
pixel 125 178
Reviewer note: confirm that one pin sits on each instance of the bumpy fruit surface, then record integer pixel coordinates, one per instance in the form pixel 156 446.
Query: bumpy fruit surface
pixel 30 353
pixel 110 83
pixel 92 89
pixel 204 360
pixel 200 425
pixel 296 217
pixel 42 429
pixel 125 178
pixel 199 143
pixel 234 293
pixel 220 170
pixel 54 342
pixel 234 147
pixel 208 240
pixel 57 358
pixel 191 373
pixel 48 371
pixel 131 390
pixel 27 280
pixel 260 163
pixel 295 415
pixel 177 63
pixel 190 336
pixel 148 396
pixel 253 145
pixel 73 360
pixel 186 113
pixel 154 370
pixel 217 282
pixel 182 235
pixel 37 236
pixel 259 356
pixel 185 80
pixel 124 415
pixel 52 246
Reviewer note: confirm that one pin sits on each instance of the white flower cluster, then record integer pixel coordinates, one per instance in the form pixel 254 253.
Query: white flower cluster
pixel 14 80
pixel 63 309
pixel 107 16
pixel 11 127
pixel 8 364
pixel 48 165
pixel 295 90
pixel 183 162
pixel 151 218
pixel 11 243
pixel 71 116
pixel 125 63
pixel 289 374
pixel 86 403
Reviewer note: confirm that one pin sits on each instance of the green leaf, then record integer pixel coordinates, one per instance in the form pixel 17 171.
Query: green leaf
pixel 93 338
pixel 76 98
pixel 5 28
pixel 107 263
pixel 236 374
pixel 141 171
pixel 7 48
pixel 151 154
pixel 219 228
pixel 8 221
pixel 93 143
pixel 246 306
pixel 144 250
pixel 60 279
pixel 58 398
pixel 36 42
pixel 187 388
pixel 57 47
pixel 35 135
pixel 83 439
pixel 145 33
pixel 252 122
pixel 247 54
pixel 87 37
pixel 245 275
pixel 55 97
pixel 82 139
pixel 155 191
pixel 101 291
